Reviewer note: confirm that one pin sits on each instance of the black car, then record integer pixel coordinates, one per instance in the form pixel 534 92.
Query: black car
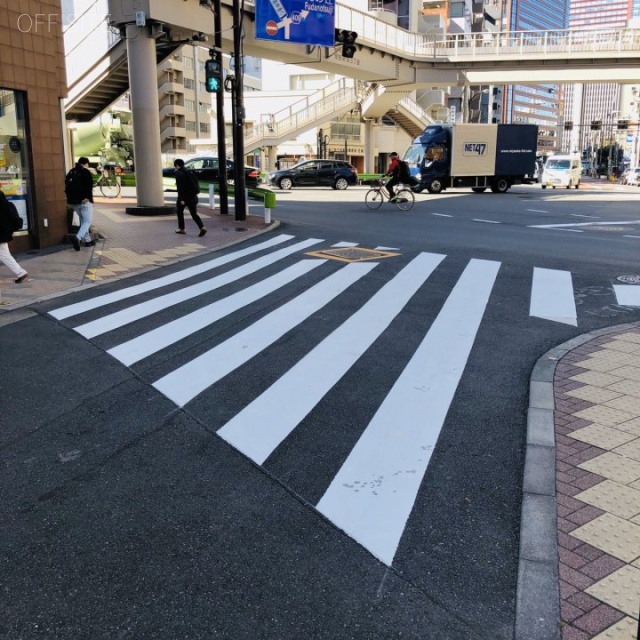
pixel 315 173
pixel 206 169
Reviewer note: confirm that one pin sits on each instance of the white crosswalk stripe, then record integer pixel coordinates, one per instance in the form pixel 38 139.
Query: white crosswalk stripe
pixel 260 427
pixel 373 493
pixel 373 488
pixel 185 383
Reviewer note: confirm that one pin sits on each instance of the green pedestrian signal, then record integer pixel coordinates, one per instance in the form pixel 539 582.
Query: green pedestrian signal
pixel 213 76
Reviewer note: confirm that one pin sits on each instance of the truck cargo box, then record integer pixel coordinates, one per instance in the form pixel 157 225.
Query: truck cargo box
pixel 516 149
pixel 473 149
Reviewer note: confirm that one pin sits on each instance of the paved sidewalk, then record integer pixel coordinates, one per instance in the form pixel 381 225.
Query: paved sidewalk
pixel 127 244
pixel 579 575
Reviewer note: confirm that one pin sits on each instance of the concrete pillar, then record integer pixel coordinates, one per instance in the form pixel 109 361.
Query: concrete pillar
pixel 369 157
pixel 143 88
pixel 272 153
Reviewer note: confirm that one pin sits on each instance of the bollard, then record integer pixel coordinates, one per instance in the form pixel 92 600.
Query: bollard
pixel 212 196
pixel 269 203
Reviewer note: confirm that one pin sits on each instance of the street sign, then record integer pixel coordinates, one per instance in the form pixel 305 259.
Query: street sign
pixel 629 137
pixel 296 21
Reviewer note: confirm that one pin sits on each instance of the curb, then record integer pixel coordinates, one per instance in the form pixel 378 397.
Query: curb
pixel 538 592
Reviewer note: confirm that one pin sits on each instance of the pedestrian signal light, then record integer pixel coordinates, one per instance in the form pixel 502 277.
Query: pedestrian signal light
pixel 347 39
pixel 213 76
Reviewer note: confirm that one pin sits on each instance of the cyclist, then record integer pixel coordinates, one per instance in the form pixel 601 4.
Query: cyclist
pixel 394 172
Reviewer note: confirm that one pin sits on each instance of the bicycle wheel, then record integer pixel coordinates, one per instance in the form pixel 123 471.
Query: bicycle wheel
pixel 110 188
pixel 374 199
pixel 404 199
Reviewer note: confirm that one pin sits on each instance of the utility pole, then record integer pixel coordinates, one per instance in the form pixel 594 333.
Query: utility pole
pixel 222 147
pixel 238 115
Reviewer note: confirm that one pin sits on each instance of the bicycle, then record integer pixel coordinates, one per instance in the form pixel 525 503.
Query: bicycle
pixel 375 197
pixel 109 184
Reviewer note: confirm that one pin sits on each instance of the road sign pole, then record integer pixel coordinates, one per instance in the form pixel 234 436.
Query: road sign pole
pixel 223 197
pixel 238 119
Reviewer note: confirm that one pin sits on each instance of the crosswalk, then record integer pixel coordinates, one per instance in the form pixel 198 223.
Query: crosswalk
pixel 374 491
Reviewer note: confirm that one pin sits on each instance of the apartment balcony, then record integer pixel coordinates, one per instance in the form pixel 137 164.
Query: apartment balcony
pixel 173 132
pixel 171 64
pixel 171 88
pixel 169 110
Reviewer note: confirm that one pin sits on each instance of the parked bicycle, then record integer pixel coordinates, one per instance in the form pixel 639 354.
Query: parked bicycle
pixel 109 184
pixel 375 197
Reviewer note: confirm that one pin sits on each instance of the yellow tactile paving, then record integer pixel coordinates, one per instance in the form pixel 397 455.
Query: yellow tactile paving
pixel 613 535
pixel 602 436
pixel 628 387
pixel 625 629
pixel 630 449
pixel 604 415
pixel 630 404
pixel 615 467
pixel 621 590
pixel 613 497
pixel 593 394
pixel 598 379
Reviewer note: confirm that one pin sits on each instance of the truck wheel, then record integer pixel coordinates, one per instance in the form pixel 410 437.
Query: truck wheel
pixel 435 186
pixel 501 185
pixel 544 186
pixel 417 189
pixel 478 189
pixel 578 184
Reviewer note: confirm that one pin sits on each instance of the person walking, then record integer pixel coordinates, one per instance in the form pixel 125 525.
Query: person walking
pixel 6 236
pixel 394 172
pixel 188 190
pixel 79 191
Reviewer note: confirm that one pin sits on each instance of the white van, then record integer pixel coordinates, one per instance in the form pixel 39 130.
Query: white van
pixel 562 171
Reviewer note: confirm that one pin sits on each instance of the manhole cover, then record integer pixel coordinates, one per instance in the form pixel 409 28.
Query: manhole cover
pixel 629 279
pixel 352 254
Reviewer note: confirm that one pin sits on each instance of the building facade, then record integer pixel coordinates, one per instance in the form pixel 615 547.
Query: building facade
pixel 32 86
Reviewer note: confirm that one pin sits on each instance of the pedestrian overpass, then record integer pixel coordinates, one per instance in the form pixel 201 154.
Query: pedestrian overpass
pixel 107 51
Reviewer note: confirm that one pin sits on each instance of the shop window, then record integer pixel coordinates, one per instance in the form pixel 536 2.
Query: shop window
pixel 15 179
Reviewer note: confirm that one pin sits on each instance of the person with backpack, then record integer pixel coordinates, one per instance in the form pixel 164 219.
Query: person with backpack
pixel 188 190
pixel 394 172
pixel 8 225
pixel 78 187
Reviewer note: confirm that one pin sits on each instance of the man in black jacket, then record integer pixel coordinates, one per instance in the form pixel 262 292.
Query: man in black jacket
pixel 187 186
pixel 79 192
pixel 6 236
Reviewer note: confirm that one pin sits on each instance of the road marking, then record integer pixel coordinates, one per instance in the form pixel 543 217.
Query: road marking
pixel 262 425
pixel 129 292
pixel 552 296
pixel 628 295
pixel 582 215
pixel 579 224
pixel 488 221
pixel 186 382
pixel 538 210
pixel 153 341
pixel 373 494
pixel 136 312
pixel 344 244
pixel 442 215
pixel 631 236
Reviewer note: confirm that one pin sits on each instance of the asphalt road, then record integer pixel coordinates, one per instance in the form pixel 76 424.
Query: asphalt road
pixel 291 446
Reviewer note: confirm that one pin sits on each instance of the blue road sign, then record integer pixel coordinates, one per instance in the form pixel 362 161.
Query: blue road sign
pixel 296 21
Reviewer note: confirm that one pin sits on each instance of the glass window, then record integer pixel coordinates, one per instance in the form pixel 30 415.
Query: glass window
pixel 456 10
pixel 15 179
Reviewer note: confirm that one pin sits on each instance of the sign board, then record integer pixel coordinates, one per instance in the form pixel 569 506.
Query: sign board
pixel 296 21
pixel 629 137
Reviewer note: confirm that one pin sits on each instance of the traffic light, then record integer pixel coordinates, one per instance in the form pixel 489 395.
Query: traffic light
pixel 347 39
pixel 568 125
pixel 623 125
pixel 596 125
pixel 213 76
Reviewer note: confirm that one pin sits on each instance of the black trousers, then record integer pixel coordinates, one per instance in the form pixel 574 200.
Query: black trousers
pixel 391 184
pixel 192 206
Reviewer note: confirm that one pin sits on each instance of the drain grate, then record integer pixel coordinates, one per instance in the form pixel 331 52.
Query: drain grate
pixel 629 279
pixel 352 254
